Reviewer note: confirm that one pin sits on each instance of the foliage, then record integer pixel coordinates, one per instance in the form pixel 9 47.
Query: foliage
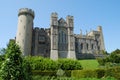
pixel 83 74
pixel 44 73
pixel 68 78
pixel 50 73
pixel 117 51
pixel 40 63
pixel 14 67
pixel 113 58
pixel 97 73
pixel 101 61
pixel 105 52
pixel 69 64
pixel 27 70
pixel 113 72
pixel 2 51
pixel 2 58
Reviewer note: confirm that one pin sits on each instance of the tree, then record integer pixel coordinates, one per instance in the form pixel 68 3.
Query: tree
pixel 14 67
pixel 113 58
pixel 2 51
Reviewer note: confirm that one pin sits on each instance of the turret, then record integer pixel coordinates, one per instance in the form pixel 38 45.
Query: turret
pixel 99 28
pixel 54 19
pixel 71 39
pixel 54 36
pixel 24 32
pixel 69 20
pixel 102 46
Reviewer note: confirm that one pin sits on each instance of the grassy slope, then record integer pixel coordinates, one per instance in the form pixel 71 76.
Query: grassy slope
pixel 89 64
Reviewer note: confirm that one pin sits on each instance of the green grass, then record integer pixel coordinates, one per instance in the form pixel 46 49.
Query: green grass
pixel 67 78
pixel 89 64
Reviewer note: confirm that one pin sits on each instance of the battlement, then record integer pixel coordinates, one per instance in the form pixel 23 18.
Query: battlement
pixel 54 14
pixel 26 11
pixel 69 17
pixel 99 28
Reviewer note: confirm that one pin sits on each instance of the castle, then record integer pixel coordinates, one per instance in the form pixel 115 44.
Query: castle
pixel 58 41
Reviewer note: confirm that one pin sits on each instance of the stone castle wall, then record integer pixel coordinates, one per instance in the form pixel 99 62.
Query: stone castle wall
pixel 58 41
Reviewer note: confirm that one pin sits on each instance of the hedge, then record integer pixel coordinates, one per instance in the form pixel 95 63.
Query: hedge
pixel 113 72
pixel 44 73
pixel 67 73
pixel 40 63
pixel 98 73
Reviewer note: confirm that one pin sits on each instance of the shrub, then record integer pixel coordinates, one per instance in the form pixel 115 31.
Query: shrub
pixel 83 73
pixel 40 63
pixel 69 64
pixel 113 72
pixel 14 67
pixel 44 73
pixel 99 73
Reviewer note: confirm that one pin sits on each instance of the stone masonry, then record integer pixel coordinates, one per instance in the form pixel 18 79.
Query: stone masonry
pixel 58 41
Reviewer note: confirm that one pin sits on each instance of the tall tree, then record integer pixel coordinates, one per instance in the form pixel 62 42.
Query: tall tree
pixel 2 51
pixel 13 68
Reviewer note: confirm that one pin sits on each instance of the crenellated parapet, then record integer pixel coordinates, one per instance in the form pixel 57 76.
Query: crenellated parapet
pixel 26 11
pixel 70 21
pixel 54 14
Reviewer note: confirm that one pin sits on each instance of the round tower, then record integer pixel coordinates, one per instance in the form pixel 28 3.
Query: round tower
pixel 102 45
pixel 24 32
pixel 99 28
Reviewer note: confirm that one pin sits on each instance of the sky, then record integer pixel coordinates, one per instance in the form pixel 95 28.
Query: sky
pixel 88 14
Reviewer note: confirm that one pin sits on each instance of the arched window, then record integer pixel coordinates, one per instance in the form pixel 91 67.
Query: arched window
pixel 62 37
pixel 81 46
pixel 87 46
pixel 92 46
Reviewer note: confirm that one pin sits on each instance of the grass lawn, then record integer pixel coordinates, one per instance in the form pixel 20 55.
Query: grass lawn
pixel 89 64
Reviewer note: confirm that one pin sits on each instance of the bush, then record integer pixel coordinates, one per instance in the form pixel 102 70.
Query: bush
pixel 98 73
pixel 14 66
pixel 83 73
pixel 69 64
pixel 67 78
pixel 104 74
pixel 40 63
pixel 113 72
pixel 114 57
pixel 44 73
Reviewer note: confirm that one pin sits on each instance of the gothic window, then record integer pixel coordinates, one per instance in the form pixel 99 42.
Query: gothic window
pixel 62 37
pixel 65 37
pixel 62 40
pixel 81 46
pixel 92 46
pixel 98 47
pixel 58 37
pixel 87 46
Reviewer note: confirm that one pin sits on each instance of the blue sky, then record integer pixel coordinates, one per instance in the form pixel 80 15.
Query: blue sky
pixel 88 14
